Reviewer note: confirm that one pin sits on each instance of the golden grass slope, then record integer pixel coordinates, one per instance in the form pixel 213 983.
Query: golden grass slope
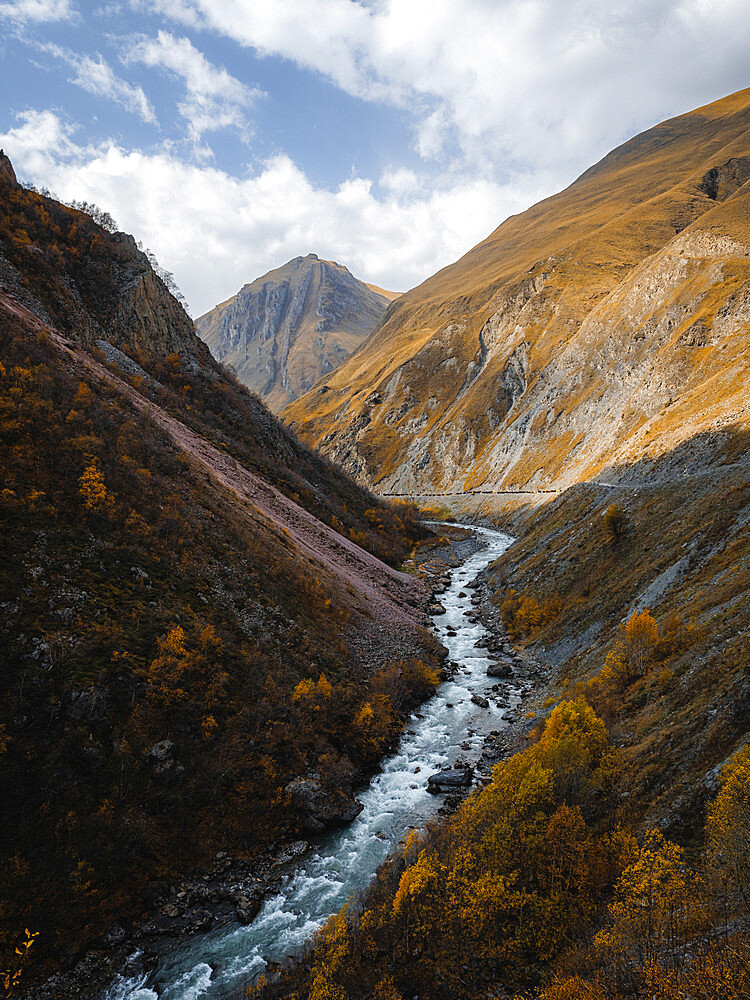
pixel 285 330
pixel 603 325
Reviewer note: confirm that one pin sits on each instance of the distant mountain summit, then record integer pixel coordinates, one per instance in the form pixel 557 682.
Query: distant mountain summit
pixel 285 330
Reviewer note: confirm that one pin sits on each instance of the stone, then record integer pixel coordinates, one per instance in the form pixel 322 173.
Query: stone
pixel 161 758
pixel 450 779
pixel 500 669
pixel 328 807
pixel 247 907
pixel 112 935
pixel 479 700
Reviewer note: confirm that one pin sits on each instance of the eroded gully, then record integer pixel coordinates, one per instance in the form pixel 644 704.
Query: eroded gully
pixel 447 729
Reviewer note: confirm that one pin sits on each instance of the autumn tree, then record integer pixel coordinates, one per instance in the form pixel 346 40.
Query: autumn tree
pixel 93 490
pixel 634 652
pixel 169 672
pixel 650 915
pixel 728 845
pixel 615 523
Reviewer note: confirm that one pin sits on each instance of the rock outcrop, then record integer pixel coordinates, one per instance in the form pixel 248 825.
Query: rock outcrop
pixel 285 330
pixel 6 169
pixel 90 283
pixel 590 333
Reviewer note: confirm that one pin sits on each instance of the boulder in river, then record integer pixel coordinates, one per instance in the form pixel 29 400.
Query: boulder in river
pixel 324 807
pixel 503 668
pixel 247 906
pixel 449 780
pixel 479 700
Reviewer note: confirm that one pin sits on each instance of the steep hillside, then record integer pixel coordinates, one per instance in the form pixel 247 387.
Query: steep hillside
pixel 194 607
pixel 283 331
pixel 608 856
pixel 606 324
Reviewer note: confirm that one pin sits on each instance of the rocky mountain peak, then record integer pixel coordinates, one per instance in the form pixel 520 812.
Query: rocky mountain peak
pixel 288 328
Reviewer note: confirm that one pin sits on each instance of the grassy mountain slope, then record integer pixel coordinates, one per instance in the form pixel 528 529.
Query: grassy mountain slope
pixel 588 331
pixel 608 858
pixel 285 330
pixel 194 605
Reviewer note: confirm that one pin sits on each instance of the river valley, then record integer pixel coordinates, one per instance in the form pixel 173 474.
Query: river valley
pixel 449 729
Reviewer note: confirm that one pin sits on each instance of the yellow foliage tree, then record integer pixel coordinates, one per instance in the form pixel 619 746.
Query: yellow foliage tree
pixel 727 826
pixel 93 490
pixel 209 725
pixel 304 690
pixel 323 689
pixel 168 672
pixel 650 916
pixel 634 653
pixel 615 522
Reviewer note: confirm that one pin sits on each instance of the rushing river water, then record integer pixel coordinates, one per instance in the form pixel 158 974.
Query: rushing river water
pixel 216 964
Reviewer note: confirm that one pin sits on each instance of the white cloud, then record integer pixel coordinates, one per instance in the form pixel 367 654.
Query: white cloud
pixel 96 76
pixel 216 231
pixel 504 81
pixel 24 11
pixel 508 99
pixel 214 99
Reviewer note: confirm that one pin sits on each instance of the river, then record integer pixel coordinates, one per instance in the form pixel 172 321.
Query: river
pixel 216 964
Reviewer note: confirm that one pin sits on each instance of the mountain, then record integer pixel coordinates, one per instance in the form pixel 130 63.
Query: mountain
pixel 606 325
pixel 597 346
pixel 195 607
pixel 283 331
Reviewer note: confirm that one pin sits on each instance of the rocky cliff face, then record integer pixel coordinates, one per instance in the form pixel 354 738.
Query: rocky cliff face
pixel 283 331
pixel 6 168
pixel 604 326
pixel 91 284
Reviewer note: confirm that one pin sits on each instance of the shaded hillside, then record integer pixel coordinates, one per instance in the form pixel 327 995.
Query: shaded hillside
pixel 192 614
pixel 285 330
pixel 606 324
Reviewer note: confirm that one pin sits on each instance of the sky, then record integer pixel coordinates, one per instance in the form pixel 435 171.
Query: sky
pixel 229 136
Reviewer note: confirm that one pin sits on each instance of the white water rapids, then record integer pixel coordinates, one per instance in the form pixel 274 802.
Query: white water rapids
pixel 342 864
